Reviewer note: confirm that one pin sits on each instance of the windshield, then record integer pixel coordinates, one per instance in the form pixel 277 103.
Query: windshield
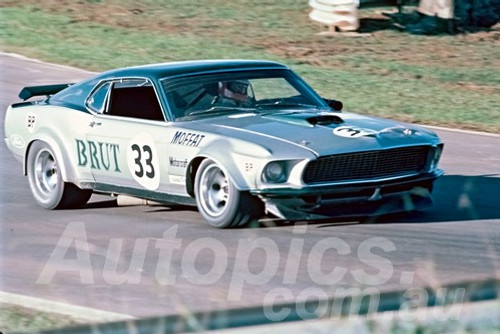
pixel 246 91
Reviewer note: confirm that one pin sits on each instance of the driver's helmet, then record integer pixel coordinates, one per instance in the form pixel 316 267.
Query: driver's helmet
pixel 236 90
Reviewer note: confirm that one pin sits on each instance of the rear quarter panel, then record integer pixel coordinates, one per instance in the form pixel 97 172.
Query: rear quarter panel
pixel 54 125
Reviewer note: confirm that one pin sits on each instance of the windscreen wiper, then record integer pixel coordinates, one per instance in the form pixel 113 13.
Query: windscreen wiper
pixel 217 110
pixel 281 103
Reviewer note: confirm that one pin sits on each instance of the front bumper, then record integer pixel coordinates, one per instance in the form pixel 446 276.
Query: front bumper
pixel 350 199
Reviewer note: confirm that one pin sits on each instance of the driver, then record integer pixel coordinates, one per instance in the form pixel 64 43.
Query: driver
pixel 236 90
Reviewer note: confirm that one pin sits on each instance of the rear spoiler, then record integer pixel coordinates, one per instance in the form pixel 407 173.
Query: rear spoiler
pixel 29 92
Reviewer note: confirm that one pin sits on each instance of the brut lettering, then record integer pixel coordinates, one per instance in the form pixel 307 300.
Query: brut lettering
pixel 100 155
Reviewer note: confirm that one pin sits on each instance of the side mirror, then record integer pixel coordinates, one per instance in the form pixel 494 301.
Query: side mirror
pixel 334 104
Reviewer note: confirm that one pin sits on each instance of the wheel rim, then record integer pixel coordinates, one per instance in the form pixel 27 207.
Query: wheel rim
pixel 46 173
pixel 214 190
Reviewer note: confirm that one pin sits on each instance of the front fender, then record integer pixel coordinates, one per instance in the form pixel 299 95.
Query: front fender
pixel 240 160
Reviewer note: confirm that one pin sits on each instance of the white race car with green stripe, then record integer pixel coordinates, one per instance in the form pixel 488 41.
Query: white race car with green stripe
pixel 237 138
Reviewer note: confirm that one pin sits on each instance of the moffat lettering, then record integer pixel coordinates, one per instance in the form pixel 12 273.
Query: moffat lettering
pixel 187 138
pixel 98 155
pixel 178 163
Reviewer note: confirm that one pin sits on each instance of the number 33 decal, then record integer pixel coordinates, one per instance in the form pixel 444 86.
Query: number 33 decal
pixel 142 161
pixel 138 161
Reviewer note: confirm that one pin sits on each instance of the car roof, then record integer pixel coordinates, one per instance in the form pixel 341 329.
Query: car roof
pixel 157 71
pixel 75 95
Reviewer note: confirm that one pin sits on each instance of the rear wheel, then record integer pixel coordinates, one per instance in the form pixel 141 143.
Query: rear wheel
pixel 46 183
pixel 220 202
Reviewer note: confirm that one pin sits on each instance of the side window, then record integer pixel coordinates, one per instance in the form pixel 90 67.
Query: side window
pixel 135 98
pixel 97 101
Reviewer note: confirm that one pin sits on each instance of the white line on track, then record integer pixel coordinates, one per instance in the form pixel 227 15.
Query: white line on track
pixel 18 56
pixel 470 132
pixel 76 312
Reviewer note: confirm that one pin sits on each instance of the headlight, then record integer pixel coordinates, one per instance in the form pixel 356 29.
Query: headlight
pixel 274 172
pixel 437 155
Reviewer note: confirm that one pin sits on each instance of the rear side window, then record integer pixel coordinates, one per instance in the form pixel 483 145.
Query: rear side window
pixel 134 98
pixel 97 101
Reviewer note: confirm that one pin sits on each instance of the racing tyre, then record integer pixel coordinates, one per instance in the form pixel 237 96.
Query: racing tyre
pixel 218 200
pixel 47 186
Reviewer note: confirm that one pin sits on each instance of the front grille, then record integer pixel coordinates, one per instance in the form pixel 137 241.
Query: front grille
pixel 366 165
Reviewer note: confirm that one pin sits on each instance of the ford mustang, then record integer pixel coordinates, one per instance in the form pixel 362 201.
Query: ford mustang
pixel 236 138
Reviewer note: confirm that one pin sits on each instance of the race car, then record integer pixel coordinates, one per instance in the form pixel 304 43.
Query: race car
pixel 239 139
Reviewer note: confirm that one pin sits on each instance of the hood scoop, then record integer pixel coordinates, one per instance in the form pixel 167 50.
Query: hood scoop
pixel 308 119
pixel 325 120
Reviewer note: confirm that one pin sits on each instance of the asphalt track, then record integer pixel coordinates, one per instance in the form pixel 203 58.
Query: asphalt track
pixel 458 239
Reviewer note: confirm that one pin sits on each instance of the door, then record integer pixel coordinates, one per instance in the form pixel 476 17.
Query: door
pixel 124 143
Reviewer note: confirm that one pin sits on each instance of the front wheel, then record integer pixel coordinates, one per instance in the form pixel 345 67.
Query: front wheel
pixel 46 183
pixel 220 202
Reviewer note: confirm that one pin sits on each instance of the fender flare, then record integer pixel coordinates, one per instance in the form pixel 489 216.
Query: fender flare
pixel 68 173
pixel 216 152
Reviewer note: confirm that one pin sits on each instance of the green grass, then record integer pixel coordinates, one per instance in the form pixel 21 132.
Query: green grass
pixel 15 318
pixel 440 80
pixel 98 47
